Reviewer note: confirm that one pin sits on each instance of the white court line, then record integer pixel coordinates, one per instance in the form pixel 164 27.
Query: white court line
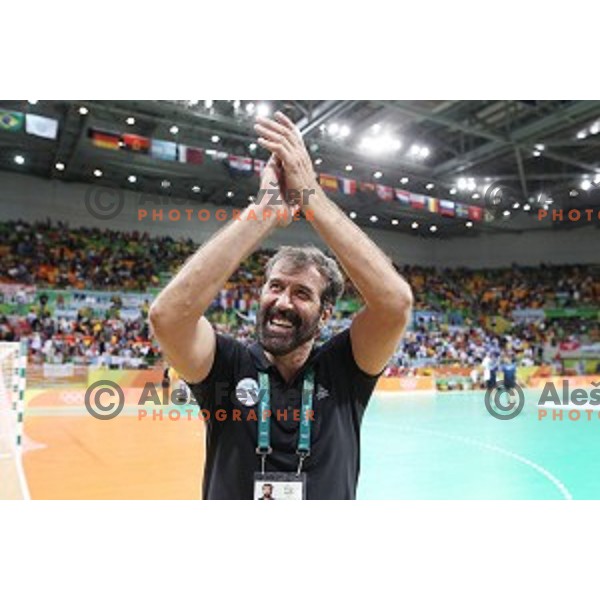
pixel 541 470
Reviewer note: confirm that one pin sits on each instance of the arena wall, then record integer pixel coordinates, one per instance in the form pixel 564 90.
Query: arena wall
pixel 32 198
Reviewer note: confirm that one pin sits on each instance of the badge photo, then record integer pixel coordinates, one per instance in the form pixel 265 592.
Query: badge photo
pixel 246 391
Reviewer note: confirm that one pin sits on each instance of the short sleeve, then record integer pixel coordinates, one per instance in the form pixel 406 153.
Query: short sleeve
pixel 213 392
pixel 338 353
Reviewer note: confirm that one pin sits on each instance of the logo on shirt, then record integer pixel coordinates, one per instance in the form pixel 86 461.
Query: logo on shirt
pixel 246 391
pixel 322 393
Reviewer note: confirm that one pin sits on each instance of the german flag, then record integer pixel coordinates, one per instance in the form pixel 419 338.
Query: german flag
pixel 136 143
pixel 105 139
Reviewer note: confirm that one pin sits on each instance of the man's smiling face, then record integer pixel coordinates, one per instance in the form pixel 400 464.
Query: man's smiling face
pixel 290 308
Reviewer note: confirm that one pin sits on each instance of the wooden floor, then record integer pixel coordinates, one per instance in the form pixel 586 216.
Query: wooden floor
pixel 71 455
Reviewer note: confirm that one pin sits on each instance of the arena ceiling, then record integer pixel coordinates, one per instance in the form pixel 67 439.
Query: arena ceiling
pixel 503 156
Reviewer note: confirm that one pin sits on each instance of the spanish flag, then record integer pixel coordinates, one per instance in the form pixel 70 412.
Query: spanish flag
pixel 328 182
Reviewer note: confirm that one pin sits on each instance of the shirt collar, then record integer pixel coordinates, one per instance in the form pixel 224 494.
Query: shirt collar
pixel 262 363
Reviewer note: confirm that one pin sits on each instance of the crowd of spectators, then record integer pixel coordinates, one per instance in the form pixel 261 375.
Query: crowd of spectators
pixel 52 255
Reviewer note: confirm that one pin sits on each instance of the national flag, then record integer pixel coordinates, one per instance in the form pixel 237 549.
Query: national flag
pixel 447 208
pixel 43 127
pixel 163 150
pixel 136 143
pixel 462 210
pixel 11 120
pixel 240 163
pixel 348 186
pixel 328 182
pixel 402 196
pixel 475 213
pixel 190 154
pixel 417 201
pixel 385 192
pixel 365 186
pixel 432 204
pixel 105 139
pixel 259 166
pixel 216 154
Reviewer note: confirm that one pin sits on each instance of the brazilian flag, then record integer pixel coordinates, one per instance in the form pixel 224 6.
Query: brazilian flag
pixel 11 121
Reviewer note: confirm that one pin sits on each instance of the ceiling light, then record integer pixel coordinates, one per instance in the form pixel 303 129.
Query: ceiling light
pixel 469 224
pixel 252 147
pixel 263 110
pixel 208 104
pixel 597 179
pixel 236 104
pixel 573 193
pixel 540 147
pixel 98 173
pixel 394 221
pixel 429 186
pixel 215 139
pixel 318 161
pixel 333 128
pixel 130 121
pixel 475 196
pixel 19 159
pixel 132 179
pixel 352 215
pixel 462 184
pixel 506 213
pixel 59 166
pixel 250 108
pixel 526 207
pixel 174 130
pixel 433 228
pixel 404 180
pixel 32 102
pixel 415 225
pixel 376 128
pixel 195 189
pixel 537 153
pixel 230 194
pixel 344 131
pixel 348 167
pixel 424 152
pixel 581 135
pixel 373 219
pixel 471 185
pixel 516 205
pixel 586 184
pixel 595 128
pixel 83 110
pixel 165 184
pixel 452 191
pixel 378 174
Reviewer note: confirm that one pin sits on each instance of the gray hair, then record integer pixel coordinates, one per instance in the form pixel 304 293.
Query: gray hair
pixel 300 257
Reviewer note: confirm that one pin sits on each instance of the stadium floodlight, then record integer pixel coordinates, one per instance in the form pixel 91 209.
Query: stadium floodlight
pixel 352 215
pixel 394 221
pixel 380 144
pixel 174 130
pixel 83 110
pixel 252 147
pixel 404 180
pixel 537 153
pixel 586 184
pixel 230 194
pixel 236 104
pixel 573 193
pixel 475 196
pixel 263 110
pixel 516 205
pixel 348 167
pixel 452 191
pixel 318 161
pixel 540 147
pixel 433 228
pixel 582 135
pixel 415 225
pixel 424 152
pixel 32 102
pixel 215 139
pixel 526 207
pixel 595 128
pixel 373 219
pixel 59 166
pixel 469 224
pixel 430 186
pixel 378 174
pixel 506 213
pixel 132 179
pixel 165 184
pixel 195 189
pixel 471 185
pixel 98 173
pixel 19 159
pixel 130 121
pixel 597 179
pixel 462 184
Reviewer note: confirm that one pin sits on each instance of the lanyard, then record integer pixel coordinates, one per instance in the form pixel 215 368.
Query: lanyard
pixel 264 421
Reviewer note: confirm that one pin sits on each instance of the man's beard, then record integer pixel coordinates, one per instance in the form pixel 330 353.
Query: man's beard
pixel 279 341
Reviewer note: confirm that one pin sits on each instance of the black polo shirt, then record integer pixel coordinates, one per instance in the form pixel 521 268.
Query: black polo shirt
pixel 341 394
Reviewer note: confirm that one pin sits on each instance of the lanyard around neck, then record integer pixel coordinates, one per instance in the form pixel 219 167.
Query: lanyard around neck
pixel 264 420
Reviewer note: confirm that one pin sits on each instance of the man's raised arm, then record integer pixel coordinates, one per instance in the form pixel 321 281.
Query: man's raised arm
pixel 185 336
pixel 377 329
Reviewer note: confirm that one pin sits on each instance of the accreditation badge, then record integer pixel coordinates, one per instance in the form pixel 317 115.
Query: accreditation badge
pixel 275 485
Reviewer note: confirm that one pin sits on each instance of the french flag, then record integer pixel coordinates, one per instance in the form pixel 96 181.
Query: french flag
pixel 348 186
